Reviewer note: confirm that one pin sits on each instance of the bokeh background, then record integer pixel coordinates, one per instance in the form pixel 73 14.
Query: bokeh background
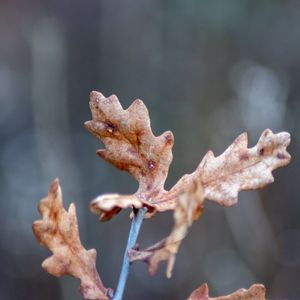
pixel 207 70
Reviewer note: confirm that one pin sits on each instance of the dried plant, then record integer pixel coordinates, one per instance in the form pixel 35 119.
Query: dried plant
pixel 58 231
pixel 131 146
pixel 255 292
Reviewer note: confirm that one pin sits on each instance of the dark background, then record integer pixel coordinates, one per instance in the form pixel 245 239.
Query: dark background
pixel 207 70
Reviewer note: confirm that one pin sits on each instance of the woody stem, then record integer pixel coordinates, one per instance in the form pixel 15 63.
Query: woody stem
pixel 132 237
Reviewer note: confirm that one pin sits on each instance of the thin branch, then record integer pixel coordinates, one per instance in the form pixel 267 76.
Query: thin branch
pixel 133 234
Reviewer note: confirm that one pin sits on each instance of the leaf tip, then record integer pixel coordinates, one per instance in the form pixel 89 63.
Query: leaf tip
pixel 102 153
pixel 88 125
pixel 72 209
pixel 93 254
pixel 169 138
pixel 54 187
pixel 201 293
pixel 138 106
pixel 242 139
pixel 208 157
pixel 94 96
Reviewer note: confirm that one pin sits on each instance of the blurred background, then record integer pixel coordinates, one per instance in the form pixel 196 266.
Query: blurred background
pixel 207 70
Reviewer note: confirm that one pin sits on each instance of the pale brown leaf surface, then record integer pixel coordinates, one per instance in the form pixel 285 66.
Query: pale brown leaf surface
pixel 130 145
pixel 255 292
pixel 188 209
pixel 58 231
pixel 112 204
pixel 221 178
pixel 108 205
pixel 240 168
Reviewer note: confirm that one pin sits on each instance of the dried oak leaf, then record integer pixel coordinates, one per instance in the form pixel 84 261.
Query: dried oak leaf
pixel 188 209
pixel 255 292
pixel 58 231
pixel 130 145
pixel 240 168
pixel 219 179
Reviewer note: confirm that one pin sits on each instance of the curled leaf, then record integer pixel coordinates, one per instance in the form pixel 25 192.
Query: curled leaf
pixel 108 205
pixel 58 231
pixel 255 292
pixel 188 209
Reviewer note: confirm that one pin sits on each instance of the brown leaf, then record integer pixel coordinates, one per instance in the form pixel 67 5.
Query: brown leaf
pixel 131 146
pixel 58 231
pixel 111 204
pixel 220 179
pixel 201 293
pixel 237 169
pixel 189 208
pixel 240 168
pixel 255 292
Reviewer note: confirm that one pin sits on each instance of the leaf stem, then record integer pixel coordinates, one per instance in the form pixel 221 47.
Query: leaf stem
pixel 132 237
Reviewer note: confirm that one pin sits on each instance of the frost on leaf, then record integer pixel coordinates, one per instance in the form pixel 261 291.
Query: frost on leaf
pixel 255 292
pixel 130 145
pixel 58 231
pixel 188 209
